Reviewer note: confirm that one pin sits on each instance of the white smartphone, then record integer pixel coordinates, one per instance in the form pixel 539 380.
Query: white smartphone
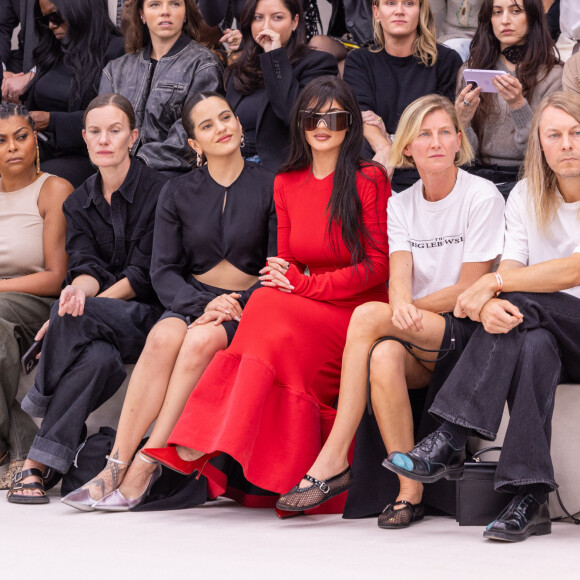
pixel 482 78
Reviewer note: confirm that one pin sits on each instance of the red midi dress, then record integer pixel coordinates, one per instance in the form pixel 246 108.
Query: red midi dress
pixel 268 400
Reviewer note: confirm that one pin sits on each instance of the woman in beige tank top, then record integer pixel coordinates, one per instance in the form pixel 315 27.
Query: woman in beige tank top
pixel 32 268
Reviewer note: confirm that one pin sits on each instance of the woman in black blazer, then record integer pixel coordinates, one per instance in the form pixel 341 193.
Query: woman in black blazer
pixel 76 39
pixel 274 65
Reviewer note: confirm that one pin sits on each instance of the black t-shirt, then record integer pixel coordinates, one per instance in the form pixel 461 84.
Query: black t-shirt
pixel 386 84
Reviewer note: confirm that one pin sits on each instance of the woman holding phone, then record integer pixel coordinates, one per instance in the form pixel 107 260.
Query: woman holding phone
pixel 512 36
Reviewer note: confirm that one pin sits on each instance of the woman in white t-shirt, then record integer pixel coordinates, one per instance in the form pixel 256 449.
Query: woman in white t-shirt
pixel 444 233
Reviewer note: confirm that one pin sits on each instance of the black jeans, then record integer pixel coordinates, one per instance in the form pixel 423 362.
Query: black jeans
pixel 82 365
pixel 523 368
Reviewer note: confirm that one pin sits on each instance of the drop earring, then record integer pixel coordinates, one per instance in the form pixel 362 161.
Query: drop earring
pixel 243 141
pixel 37 159
pixel 199 160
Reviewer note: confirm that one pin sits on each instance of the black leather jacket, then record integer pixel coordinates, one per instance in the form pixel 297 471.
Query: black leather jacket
pixel 185 70
pixel 358 18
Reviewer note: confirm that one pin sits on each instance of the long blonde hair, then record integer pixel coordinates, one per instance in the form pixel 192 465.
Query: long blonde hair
pixel 410 125
pixel 425 45
pixel 541 179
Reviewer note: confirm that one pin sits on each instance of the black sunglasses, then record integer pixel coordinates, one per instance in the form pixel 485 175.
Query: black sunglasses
pixel 333 120
pixel 52 18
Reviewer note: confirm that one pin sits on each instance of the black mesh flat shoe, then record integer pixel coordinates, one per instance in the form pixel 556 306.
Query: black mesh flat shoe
pixel 305 498
pixel 393 519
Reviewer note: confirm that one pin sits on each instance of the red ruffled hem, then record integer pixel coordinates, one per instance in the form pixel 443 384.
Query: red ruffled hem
pixel 274 431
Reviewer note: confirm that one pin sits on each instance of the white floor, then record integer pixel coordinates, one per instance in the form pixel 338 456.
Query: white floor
pixel 224 540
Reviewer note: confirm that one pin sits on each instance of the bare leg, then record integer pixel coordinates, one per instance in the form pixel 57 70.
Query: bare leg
pixel 200 345
pixel 143 401
pixel 393 372
pixel 368 323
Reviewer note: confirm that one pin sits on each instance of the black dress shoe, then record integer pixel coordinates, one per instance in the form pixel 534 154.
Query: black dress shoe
pixel 524 516
pixel 430 460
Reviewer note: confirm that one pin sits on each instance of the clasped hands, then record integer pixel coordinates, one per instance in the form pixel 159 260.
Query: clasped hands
pixel 478 303
pixel 274 274
pixel 221 309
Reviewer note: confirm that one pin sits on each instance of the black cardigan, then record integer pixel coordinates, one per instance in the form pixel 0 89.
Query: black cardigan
pixel 283 82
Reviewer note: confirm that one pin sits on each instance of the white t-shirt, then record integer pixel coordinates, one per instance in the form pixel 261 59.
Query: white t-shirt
pixel 570 18
pixel 525 243
pixel 465 226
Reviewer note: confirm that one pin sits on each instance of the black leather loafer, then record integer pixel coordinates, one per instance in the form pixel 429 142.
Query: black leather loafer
pixel 430 460
pixel 524 516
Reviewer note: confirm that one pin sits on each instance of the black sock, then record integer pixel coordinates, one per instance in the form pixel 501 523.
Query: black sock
pixel 538 490
pixel 458 434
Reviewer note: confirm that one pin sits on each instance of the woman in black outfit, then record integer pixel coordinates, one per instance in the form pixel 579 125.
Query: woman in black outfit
pixel 108 306
pixel 76 40
pixel 406 63
pixel 222 13
pixel 264 82
pixel 214 229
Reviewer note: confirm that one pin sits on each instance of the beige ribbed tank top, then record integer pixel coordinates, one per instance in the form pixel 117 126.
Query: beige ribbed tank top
pixel 21 231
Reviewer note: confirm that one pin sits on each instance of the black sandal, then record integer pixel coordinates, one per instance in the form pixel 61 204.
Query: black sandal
pixel 393 519
pixel 300 499
pixel 17 485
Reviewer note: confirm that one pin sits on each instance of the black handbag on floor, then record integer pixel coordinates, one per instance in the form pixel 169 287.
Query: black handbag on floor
pixel 478 503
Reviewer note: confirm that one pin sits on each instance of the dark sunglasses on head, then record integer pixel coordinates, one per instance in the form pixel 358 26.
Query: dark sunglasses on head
pixel 52 18
pixel 333 120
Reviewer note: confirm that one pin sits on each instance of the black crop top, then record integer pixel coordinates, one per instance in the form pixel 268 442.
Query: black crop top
pixel 192 234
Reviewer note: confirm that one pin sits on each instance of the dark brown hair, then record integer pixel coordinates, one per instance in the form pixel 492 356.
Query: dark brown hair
pixel 538 58
pixel 190 104
pixel 246 71
pixel 137 34
pixel 115 100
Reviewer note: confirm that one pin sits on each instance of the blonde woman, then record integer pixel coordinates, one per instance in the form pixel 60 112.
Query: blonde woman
pixel 405 64
pixel 444 234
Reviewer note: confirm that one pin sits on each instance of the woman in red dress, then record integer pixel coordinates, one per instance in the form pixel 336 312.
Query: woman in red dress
pixel 268 400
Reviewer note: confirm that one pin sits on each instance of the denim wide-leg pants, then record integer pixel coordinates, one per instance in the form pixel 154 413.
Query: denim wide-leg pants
pixel 523 368
pixel 81 367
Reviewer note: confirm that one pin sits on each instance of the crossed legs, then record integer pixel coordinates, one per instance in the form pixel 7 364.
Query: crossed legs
pixel 393 371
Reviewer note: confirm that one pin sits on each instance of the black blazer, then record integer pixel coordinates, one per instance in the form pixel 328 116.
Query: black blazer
pixel 356 16
pixel 283 81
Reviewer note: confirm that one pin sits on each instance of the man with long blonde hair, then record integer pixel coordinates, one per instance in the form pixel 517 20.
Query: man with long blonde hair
pixel 530 338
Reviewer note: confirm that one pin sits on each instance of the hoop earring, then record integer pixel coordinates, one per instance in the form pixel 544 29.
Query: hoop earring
pixel 242 141
pixel 37 159
pixel 199 160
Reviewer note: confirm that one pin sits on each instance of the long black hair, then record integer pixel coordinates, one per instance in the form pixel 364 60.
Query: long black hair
pixel 344 207
pixel 537 60
pixel 83 49
pixel 246 71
